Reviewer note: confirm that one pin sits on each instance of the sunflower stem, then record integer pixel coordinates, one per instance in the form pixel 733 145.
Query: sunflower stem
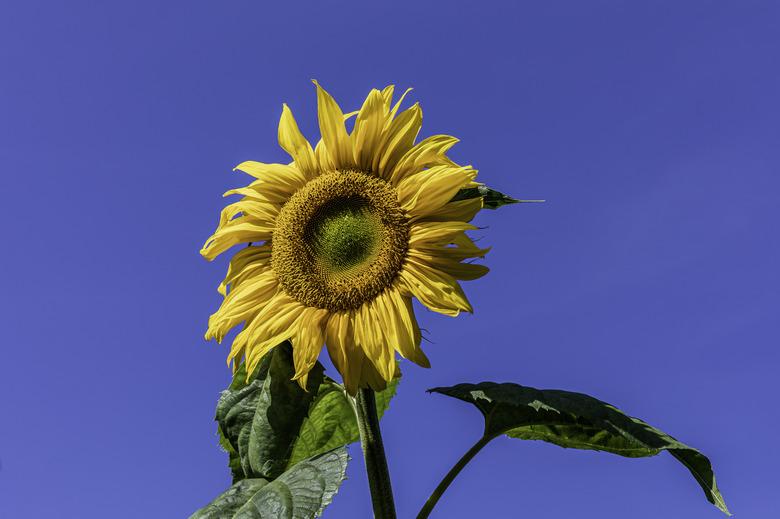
pixel 425 511
pixel 374 454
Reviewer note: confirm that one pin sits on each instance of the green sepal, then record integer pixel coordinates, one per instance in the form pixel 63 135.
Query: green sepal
pixel 331 421
pixel 302 492
pixel 491 199
pixel 578 421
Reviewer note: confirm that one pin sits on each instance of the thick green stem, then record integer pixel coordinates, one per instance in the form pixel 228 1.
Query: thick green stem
pixel 374 454
pixel 454 471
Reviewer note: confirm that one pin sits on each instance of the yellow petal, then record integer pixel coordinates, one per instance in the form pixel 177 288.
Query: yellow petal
pixel 255 192
pixel 255 353
pixel 458 248
pixel 323 157
pixel 321 151
pixel 237 349
pixel 274 324
pixel 370 377
pixel 308 342
pixel 400 326
pixel 241 304
pixel 436 233
pixel 370 337
pixel 240 230
pixel 293 142
pixel 281 177
pixel 243 264
pixel 398 104
pixel 438 291
pixel 464 271
pixel 334 133
pixel 260 211
pixel 368 130
pixel 266 171
pixel 387 96
pixel 428 191
pixel 397 139
pixel 456 269
pixel 345 354
pixel 460 210
pixel 426 153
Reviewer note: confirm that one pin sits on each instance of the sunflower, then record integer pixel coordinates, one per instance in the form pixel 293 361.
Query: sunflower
pixel 342 238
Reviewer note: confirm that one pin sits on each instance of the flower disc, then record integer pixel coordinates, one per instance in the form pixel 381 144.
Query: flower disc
pixel 340 241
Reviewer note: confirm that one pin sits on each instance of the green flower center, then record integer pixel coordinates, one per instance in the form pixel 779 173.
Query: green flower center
pixel 340 241
pixel 345 234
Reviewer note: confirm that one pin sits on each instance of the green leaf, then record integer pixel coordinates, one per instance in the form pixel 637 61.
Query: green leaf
pixel 236 409
pixel 259 419
pixel 578 421
pixel 234 460
pixel 302 492
pixel 228 502
pixel 281 409
pixel 491 198
pixel 331 422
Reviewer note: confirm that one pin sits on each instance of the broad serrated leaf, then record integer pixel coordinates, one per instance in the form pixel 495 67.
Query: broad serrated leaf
pixel 302 492
pixel 228 502
pixel 579 421
pixel 331 422
pixel 259 418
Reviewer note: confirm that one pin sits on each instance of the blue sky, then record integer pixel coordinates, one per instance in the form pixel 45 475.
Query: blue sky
pixel 649 278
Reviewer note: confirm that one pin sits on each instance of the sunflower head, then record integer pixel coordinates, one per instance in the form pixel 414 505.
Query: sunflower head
pixel 342 238
pixel 340 241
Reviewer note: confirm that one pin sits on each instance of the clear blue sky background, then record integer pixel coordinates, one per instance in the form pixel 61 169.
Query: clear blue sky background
pixel 649 278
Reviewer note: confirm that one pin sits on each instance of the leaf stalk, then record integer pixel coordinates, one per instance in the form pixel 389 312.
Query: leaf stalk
pixel 425 511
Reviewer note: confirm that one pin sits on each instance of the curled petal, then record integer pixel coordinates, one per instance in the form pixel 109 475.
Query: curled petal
pixel 438 291
pixel 426 153
pixel 333 130
pixel 307 342
pixel 293 142
pixel 429 190
pixel 239 230
pixel 397 139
